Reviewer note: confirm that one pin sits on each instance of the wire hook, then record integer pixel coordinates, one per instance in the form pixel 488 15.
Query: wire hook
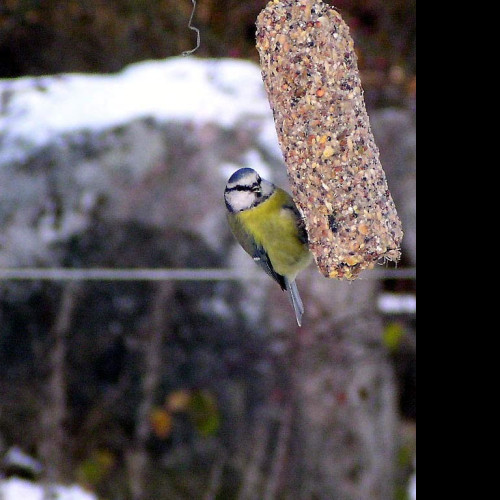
pixel 198 35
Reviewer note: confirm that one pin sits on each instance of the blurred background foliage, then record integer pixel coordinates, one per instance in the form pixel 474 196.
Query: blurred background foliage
pixel 52 36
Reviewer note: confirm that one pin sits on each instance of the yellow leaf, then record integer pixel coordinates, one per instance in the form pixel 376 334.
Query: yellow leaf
pixel 178 401
pixel 161 423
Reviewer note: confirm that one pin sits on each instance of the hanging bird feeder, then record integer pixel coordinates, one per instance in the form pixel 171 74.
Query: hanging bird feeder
pixel 311 76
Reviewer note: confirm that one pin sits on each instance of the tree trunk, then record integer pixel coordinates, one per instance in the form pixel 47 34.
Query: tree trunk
pixel 54 442
pixel 151 343
pixel 345 397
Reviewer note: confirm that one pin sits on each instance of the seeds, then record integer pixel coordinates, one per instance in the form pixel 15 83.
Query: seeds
pixel 333 162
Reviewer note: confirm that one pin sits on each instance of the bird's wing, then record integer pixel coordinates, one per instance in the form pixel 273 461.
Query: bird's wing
pixel 301 223
pixel 260 257
pixel 256 251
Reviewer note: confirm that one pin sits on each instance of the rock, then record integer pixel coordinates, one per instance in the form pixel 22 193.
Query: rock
pixel 155 142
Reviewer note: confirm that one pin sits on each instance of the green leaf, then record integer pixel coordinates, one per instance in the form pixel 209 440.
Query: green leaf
pixel 204 413
pixel 393 335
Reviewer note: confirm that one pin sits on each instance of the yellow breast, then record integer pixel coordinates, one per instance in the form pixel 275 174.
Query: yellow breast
pixel 275 229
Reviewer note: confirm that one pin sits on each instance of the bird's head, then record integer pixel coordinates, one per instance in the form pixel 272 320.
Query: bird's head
pixel 245 189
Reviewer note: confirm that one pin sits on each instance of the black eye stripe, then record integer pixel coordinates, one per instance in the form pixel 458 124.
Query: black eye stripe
pixel 243 188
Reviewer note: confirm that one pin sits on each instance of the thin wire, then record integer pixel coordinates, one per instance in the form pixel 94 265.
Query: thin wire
pixel 104 274
pixel 194 28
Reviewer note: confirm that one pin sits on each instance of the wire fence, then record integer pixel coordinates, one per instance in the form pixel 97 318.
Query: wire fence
pixel 107 274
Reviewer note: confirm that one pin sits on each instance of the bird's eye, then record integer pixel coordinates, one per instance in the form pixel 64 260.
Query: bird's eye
pixel 256 189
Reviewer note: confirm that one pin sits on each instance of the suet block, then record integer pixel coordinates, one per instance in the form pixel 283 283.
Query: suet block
pixel 310 72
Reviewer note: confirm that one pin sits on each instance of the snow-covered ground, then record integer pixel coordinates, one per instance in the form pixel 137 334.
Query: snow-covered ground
pixel 18 489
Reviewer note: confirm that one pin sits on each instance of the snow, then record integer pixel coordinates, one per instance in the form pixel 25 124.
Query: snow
pixel 18 489
pixel 397 303
pixel 16 457
pixel 412 489
pixel 33 111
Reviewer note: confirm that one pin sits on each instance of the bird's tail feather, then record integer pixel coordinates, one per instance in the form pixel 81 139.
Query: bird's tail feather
pixel 295 299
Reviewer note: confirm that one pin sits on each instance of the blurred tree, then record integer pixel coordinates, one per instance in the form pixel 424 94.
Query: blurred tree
pixel 54 412
pixel 54 36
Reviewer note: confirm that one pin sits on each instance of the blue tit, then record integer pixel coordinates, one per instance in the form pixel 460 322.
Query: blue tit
pixel 269 227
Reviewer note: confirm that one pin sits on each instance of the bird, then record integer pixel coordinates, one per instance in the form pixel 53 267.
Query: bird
pixel 268 225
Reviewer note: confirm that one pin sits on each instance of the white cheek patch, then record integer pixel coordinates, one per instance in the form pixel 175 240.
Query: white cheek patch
pixel 240 200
